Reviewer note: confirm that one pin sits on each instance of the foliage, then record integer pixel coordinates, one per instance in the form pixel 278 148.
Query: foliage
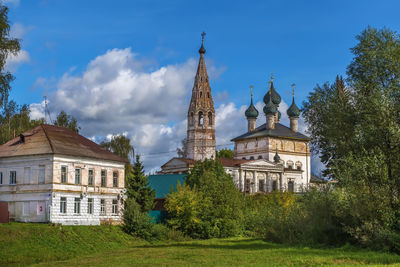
pixel 15 120
pixel 208 205
pixel 136 222
pixel 120 145
pixel 8 46
pixel 225 153
pixel 67 121
pixel 357 132
pixel 182 151
pixel 138 186
pixel 185 207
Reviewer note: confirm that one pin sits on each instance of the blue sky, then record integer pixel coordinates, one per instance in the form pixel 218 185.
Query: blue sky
pixel 302 42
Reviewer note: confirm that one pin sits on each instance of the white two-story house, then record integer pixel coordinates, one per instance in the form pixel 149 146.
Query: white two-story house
pixel 52 174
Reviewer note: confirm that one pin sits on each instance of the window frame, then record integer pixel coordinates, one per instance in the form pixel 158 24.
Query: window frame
pixel 77 206
pixel 63 205
pixel 42 179
pixel 114 207
pixel 64 179
pixel 91 177
pixel 102 207
pixel 103 178
pixel 13 178
pixel 1 178
pixel 78 179
pixel 90 206
pixel 115 178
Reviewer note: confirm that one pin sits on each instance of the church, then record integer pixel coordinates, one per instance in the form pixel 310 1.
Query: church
pixel 267 158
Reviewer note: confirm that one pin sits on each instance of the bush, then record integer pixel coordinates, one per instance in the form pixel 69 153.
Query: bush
pixel 208 205
pixel 136 222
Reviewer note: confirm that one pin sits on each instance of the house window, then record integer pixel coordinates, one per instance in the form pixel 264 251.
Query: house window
pixel 41 174
pixel 27 175
pixel 90 178
pixel 115 179
pixel 274 186
pixel 210 122
pixel 77 176
pixel 103 178
pixel 63 205
pixel 102 207
pixel 25 210
pixel 1 178
pixel 77 205
pixel 261 185
pixel 115 207
pixel 64 171
pixel 90 206
pixel 291 186
pixel 13 177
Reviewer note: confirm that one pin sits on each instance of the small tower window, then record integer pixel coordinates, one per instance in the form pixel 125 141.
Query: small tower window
pixel 201 118
pixel 201 94
pixel 208 95
pixel 210 122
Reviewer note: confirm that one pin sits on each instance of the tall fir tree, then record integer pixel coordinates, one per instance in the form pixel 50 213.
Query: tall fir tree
pixel 138 186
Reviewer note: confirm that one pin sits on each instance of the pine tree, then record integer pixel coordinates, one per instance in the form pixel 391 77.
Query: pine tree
pixel 138 186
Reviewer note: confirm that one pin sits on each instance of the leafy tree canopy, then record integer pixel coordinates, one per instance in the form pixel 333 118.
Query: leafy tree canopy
pixel 67 121
pixel 225 153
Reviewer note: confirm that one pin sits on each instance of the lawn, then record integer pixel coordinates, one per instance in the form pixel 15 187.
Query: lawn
pixel 45 245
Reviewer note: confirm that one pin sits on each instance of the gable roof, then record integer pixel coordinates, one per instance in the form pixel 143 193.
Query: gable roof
pixel 227 162
pixel 279 131
pixel 162 183
pixel 50 139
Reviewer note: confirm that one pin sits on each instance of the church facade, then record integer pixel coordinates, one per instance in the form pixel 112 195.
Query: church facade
pixel 267 158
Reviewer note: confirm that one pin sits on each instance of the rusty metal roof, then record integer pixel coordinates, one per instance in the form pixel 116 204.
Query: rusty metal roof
pixel 50 139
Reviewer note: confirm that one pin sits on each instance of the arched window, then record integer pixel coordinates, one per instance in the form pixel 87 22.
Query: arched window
pixel 291 186
pixel 201 94
pixel 210 122
pixel 251 157
pixel 191 119
pixel 244 158
pixel 298 165
pixel 260 157
pixel 290 164
pixel 201 118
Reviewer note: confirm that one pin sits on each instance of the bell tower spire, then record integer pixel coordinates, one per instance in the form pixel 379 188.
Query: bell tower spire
pixel 201 114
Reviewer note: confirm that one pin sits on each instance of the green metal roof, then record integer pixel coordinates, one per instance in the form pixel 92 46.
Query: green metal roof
pixel 162 183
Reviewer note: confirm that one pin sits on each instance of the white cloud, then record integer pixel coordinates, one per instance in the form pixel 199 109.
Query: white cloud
pixel 115 95
pixel 37 110
pixel 14 61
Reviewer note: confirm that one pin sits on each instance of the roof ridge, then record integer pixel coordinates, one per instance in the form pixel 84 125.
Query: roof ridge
pixel 48 138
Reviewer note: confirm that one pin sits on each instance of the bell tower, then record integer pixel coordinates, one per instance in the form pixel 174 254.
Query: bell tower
pixel 201 114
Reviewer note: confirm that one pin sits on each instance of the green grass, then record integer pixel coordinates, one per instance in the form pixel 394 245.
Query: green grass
pixel 45 245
